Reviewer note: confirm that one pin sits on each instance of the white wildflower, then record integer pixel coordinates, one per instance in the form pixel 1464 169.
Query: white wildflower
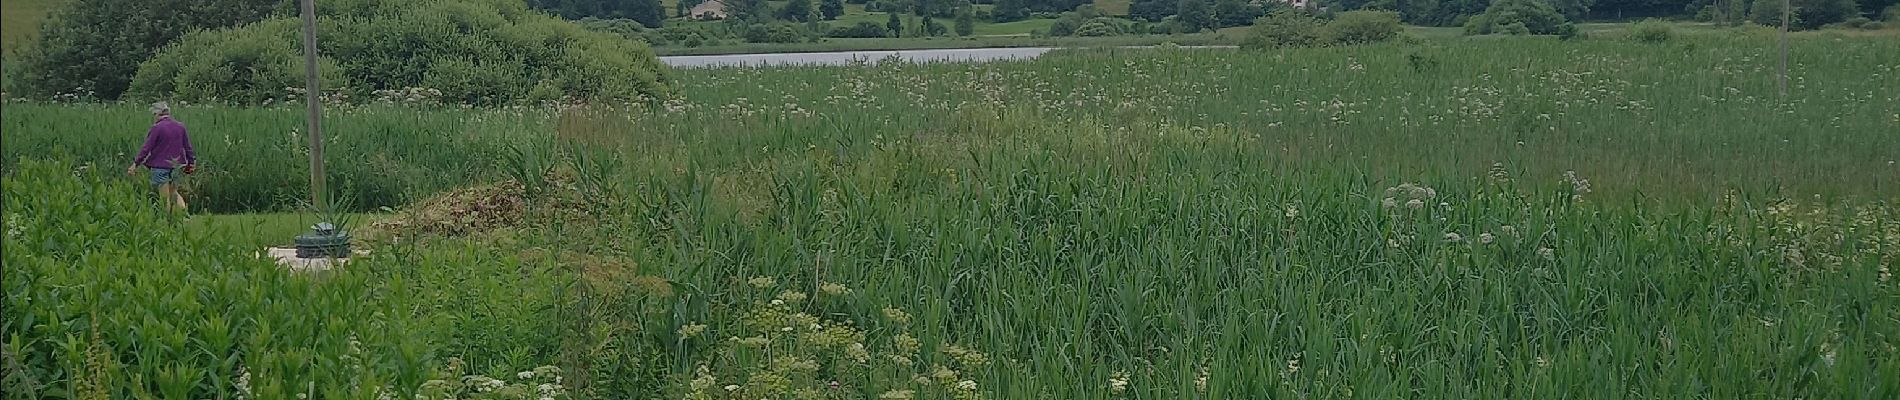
pixel 762 282
pixel 1118 382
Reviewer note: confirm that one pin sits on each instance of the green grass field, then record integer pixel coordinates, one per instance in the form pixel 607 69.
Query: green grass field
pixel 1446 219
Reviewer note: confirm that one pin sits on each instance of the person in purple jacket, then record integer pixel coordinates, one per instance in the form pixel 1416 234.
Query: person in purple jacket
pixel 167 149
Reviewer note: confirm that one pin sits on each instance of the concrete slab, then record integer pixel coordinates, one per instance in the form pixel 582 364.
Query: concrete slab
pixel 287 257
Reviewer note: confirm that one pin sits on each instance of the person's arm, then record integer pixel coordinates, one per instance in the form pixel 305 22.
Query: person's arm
pixel 145 151
pixel 191 155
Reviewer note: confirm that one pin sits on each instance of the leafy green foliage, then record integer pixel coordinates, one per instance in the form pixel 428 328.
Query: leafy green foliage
pixel 1652 31
pixel 966 22
pixel 90 49
pixel 1808 14
pixel 797 11
pixel 1230 13
pixel 1534 16
pixel 1152 10
pixel 774 33
pixel 1769 13
pixel 182 314
pixel 648 12
pixel 473 52
pixel 1010 10
pixel 864 29
pixel 1285 28
pixel 1359 27
pixel 1195 15
pixel 895 25
pixel 831 9
pixel 1071 22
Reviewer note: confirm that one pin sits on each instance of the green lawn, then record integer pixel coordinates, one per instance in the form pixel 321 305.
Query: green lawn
pixel 20 20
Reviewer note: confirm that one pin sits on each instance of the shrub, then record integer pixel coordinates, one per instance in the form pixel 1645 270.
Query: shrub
pixel 1537 17
pixel 624 27
pixel 864 29
pixel 1069 22
pixel 1514 29
pixel 1857 22
pixel 1569 31
pixel 1099 27
pixel 1366 26
pixel 1284 28
pixel 1651 31
pixel 1808 14
pixel 1874 26
pixel 681 36
pixel 92 48
pixel 489 52
pixel 253 67
pixel 773 33
pixel 1892 13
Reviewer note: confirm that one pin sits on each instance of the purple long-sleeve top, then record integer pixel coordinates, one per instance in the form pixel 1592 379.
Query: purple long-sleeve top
pixel 166 146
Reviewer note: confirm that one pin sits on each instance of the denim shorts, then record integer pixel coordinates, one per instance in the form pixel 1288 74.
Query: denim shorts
pixel 162 176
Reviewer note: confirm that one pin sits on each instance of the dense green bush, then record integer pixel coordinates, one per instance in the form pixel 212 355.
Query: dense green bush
pixel 1536 16
pixel 481 52
pixel 1652 31
pixel 623 27
pixel 1103 26
pixel 1285 28
pixel 773 33
pixel 864 29
pixel 1365 26
pixel 1071 22
pixel 1569 31
pixel 682 36
pixel 1808 14
pixel 1813 14
pixel 258 67
pixel 92 48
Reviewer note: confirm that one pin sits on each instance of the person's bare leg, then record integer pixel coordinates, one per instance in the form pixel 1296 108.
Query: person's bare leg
pixel 180 197
pixel 169 195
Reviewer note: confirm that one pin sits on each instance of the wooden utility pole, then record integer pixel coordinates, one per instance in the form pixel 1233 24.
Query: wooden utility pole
pixel 316 104
pixel 1787 9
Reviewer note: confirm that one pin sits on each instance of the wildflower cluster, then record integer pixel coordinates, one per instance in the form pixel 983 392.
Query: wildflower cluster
pixel 781 351
pixel 541 383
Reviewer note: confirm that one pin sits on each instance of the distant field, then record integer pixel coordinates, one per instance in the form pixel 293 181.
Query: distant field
pixel 20 20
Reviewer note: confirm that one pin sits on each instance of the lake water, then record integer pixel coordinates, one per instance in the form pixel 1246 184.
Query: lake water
pixel 847 57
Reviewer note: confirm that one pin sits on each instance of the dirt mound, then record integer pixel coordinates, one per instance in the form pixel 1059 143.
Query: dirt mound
pixel 458 212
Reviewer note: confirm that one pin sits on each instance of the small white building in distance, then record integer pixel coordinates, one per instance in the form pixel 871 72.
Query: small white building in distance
pixel 712 10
